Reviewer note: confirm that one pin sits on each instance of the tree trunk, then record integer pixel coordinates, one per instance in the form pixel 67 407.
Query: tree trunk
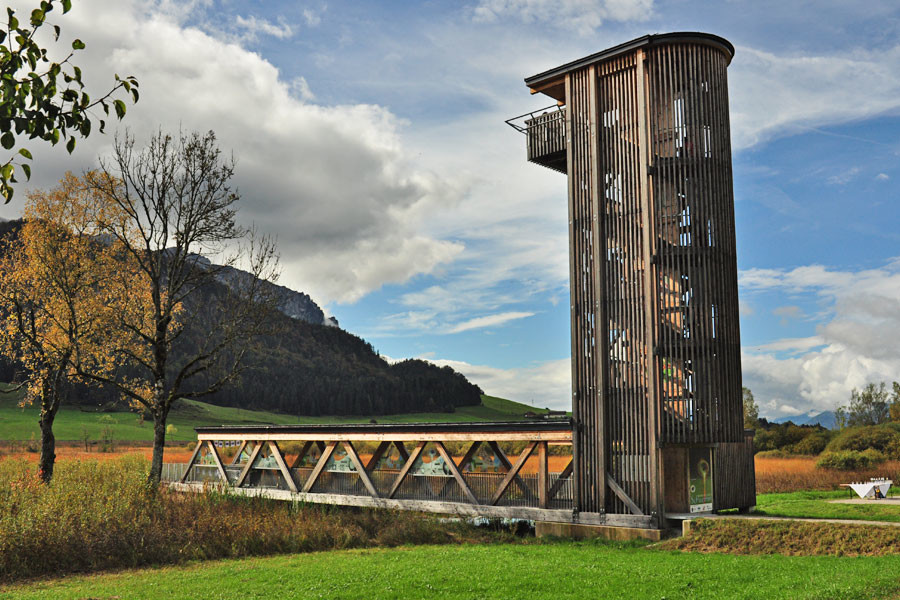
pixel 48 444
pixel 159 445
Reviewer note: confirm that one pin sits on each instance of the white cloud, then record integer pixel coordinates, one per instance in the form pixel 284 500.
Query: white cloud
pixel 253 26
pixel 584 16
pixel 545 385
pixel 882 177
pixel 776 95
pixel 336 184
pixel 858 343
pixel 844 177
pixel 489 321
pixel 312 17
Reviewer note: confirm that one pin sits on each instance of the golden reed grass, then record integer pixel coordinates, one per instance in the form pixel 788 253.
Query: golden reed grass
pixel 800 473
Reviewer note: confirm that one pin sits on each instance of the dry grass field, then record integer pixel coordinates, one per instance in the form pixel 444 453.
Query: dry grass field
pixel 800 473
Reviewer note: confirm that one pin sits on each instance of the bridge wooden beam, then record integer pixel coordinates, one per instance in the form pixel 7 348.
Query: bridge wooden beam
pixel 360 469
pixel 320 466
pixel 191 462
pixel 448 460
pixel 407 466
pixel 282 466
pixel 246 471
pixel 219 466
pixel 237 455
pixel 303 452
pixel 513 473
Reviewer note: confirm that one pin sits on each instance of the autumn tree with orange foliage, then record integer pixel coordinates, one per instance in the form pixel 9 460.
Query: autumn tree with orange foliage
pixel 168 205
pixel 55 284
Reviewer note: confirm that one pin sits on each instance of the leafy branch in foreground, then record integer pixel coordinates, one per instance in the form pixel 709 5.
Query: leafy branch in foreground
pixel 45 99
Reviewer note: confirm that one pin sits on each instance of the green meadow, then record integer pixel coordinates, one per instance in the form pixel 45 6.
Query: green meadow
pixel 503 571
pixel 73 423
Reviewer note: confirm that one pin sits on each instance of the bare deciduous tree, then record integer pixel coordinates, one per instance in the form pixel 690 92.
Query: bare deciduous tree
pixel 172 204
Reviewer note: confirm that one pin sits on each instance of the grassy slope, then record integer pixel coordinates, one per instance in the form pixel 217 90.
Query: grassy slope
pixel 21 424
pixel 817 505
pixel 556 570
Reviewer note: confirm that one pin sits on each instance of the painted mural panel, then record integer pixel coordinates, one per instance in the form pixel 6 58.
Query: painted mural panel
pixel 700 479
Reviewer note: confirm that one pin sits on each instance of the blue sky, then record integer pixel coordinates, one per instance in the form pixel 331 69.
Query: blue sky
pixel 370 139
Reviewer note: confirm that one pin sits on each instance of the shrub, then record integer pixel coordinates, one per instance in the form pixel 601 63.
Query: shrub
pixel 884 438
pixel 773 454
pixel 847 460
pixel 811 445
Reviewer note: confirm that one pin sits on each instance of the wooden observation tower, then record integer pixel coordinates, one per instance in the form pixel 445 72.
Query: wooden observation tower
pixel 642 132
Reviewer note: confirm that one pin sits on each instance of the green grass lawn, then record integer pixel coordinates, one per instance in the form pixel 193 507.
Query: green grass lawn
pixel 22 423
pixel 817 505
pixel 554 570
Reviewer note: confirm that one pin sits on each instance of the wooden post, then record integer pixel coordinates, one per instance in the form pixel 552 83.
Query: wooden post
pixel 543 496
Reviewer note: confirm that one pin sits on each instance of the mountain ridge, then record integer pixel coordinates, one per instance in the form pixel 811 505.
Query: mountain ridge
pixel 311 367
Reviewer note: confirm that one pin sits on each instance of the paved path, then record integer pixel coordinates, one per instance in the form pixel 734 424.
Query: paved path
pixel 881 501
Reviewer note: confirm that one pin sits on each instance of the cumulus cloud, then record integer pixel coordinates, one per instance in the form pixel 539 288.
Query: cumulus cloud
pixel 545 385
pixel 858 343
pixel 335 184
pixel 775 95
pixel 583 16
pixel 882 177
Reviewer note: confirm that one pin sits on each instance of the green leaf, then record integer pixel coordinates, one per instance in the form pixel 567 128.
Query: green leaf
pixel 102 125
pixel 37 17
pixel 6 172
pixel 55 32
pixel 77 45
pixel 70 145
pixel 67 5
pixel 134 94
pixel 120 108
pixel 24 152
pixel 27 169
pixel 8 140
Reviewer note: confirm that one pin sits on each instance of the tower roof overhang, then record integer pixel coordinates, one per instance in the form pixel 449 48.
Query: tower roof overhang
pixel 552 81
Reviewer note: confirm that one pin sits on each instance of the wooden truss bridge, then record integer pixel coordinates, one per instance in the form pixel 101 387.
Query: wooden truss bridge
pixel 408 466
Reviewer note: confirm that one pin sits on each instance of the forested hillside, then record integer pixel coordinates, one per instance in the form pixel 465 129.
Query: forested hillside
pixel 309 369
